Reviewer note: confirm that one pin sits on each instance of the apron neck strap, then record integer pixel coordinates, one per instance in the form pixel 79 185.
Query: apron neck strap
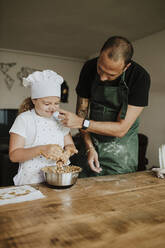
pixel 123 76
pixel 124 96
pixel 122 81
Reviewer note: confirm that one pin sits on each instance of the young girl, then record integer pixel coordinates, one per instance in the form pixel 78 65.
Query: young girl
pixel 35 130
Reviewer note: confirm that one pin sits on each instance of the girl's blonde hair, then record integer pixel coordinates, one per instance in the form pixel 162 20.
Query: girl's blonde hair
pixel 26 105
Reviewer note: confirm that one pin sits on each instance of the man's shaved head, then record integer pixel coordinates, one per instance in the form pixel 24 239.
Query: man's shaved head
pixel 118 48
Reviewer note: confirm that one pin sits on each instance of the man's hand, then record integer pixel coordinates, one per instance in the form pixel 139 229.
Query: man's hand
pixel 93 160
pixel 69 119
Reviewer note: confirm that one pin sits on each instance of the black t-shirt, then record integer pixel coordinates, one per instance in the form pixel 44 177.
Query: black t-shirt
pixel 136 78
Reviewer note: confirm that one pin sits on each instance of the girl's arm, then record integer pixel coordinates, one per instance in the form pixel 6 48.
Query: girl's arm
pixel 69 147
pixel 69 144
pixel 18 153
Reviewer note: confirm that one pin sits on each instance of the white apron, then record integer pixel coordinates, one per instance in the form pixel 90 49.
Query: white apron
pixel 47 131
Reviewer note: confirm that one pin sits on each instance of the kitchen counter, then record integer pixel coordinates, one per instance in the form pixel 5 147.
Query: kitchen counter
pixel 112 211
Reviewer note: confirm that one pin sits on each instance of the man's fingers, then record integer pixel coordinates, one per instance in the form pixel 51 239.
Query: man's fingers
pixel 93 167
pixel 62 111
pixel 61 116
pixel 97 164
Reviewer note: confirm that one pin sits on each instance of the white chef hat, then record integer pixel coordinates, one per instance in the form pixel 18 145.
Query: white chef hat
pixel 44 83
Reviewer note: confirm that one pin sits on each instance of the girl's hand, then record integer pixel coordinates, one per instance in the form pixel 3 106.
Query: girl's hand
pixel 69 150
pixel 52 151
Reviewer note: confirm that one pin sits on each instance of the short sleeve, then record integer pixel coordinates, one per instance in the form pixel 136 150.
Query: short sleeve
pixel 64 130
pixel 19 126
pixel 139 92
pixel 24 126
pixel 86 78
pixel 138 82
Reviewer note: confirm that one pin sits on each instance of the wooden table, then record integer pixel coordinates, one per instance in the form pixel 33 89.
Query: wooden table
pixel 111 211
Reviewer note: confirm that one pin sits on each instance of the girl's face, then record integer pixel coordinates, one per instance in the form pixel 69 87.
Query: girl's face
pixel 46 106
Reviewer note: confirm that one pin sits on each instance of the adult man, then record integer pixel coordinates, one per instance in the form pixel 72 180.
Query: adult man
pixel 116 88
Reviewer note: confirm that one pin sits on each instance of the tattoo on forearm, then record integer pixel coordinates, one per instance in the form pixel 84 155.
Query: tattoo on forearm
pixel 82 113
pixel 82 107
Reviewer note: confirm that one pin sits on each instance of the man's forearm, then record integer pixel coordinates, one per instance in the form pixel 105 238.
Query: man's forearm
pixel 107 128
pixel 72 120
pixel 102 128
pixel 87 140
pixel 82 111
pixel 116 128
pixel 82 107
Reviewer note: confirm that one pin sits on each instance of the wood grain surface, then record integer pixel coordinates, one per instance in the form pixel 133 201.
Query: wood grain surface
pixel 116 211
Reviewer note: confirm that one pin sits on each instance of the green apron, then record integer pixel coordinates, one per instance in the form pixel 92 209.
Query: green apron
pixel 116 155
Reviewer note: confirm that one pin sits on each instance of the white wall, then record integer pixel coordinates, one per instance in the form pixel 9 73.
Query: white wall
pixel 150 53
pixel 67 67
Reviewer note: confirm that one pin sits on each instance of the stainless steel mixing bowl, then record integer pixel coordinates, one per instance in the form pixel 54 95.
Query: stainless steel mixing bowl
pixel 61 179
